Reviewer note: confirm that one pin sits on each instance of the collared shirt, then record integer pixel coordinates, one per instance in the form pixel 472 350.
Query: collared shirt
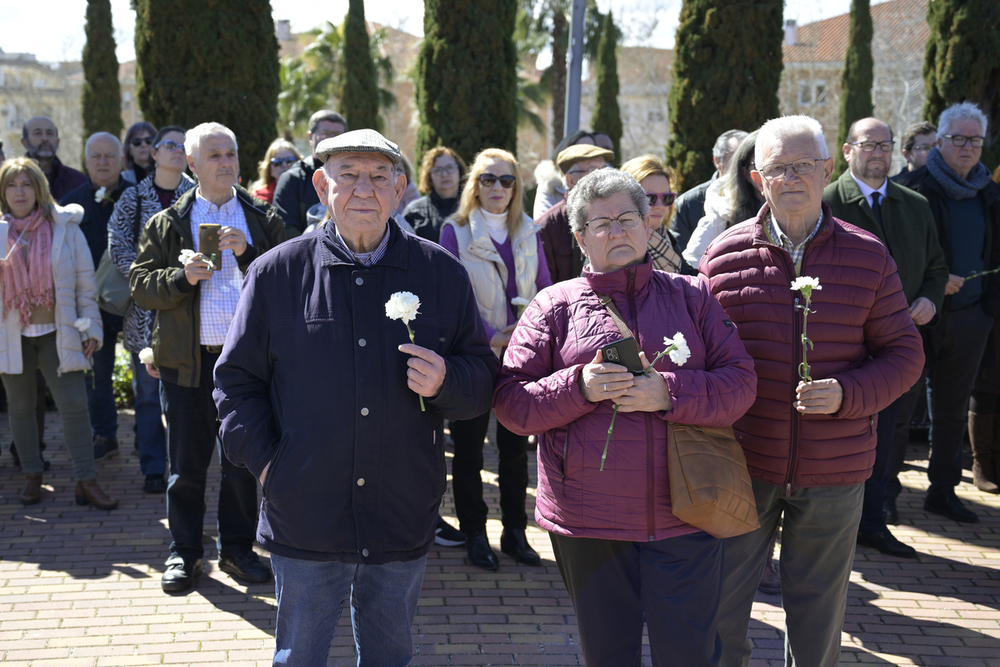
pixel 778 237
pixel 867 191
pixel 366 258
pixel 220 293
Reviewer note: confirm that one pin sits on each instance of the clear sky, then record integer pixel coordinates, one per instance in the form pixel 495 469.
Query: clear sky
pixel 53 29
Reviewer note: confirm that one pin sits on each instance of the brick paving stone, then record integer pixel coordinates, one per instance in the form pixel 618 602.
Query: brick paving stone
pixel 80 587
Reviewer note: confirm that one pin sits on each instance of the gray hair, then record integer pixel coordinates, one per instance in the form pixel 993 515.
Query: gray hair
pixel 103 135
pixel 602 184
pixel 958 112
pixel 722 143
pixel 193 137
pixel 785 127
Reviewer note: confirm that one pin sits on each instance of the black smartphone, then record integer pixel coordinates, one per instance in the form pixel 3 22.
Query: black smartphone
pixel 208 243
pixel 624 352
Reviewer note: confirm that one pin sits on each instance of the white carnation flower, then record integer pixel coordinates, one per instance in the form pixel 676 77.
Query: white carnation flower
pixel 146 356
pixel 101 195
pixel 402 306
pixel 82 324
pixel 519 301
pixel 186 256
pixel 807 282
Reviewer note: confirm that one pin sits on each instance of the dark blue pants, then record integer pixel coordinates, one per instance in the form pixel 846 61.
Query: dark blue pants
pixel 100 391
pixel 192 438
pixel 674 585
pixel 150 436
pixel 872 516
pixel 957 346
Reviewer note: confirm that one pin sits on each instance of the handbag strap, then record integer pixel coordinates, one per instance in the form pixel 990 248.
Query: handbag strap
pixel 615 315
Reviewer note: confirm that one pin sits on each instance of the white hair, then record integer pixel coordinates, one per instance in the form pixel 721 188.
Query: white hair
pixel 959 112
pixel 785 127
pixel 193 137
pixel 103 135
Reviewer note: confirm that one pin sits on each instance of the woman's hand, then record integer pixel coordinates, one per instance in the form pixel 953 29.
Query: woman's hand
pixel 90 347
pixel 502 337
pixel 647 394
pixel 151 369
pixel 601 382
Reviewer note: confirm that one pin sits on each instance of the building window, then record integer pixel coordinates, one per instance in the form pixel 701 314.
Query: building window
pixel 126 100
pixel 820 95
pixel 655 116
pixel 812 93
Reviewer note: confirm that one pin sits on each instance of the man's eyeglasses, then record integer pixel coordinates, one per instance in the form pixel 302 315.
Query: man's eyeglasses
pixel 582 172
pixel 666 197
pixel 140 141
pixel 960 140
pixel 869 146
pixel 440 171
pixel 800 167
pixel 283 161
pixel 921 148
pixel 602 226
pixel 169 145
pixel 489 180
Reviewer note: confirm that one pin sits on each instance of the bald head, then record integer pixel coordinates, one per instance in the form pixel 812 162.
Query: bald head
pixel 103 159
pixel 869 166
pixel 40 139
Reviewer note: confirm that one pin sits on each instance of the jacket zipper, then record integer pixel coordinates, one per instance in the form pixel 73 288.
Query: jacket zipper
pixel 650 459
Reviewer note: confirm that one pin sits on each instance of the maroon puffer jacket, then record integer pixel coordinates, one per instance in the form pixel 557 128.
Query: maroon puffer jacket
pixel 538 392
pixel 863 335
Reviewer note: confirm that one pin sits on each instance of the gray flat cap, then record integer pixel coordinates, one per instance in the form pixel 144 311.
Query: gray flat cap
pixel 359 141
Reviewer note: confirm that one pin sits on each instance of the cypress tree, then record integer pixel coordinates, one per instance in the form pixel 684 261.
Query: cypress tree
pixel 560 42
pixel 962 63
pixel 208 60
pixel 359 96
pixel 607 116
pixel 101 98
pixel 857 79
pixel 466 76
pixel 722 80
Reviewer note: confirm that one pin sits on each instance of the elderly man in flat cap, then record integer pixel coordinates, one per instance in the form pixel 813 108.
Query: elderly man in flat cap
pixel 562 255
pixel 326 398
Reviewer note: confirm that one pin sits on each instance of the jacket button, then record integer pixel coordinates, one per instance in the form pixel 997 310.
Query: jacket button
pixel 364 552
pixel 362 342
pixel 361 481
pixel 359 281
pixel 364 412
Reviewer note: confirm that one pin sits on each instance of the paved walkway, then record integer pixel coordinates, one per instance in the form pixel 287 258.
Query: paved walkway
pixel 80 587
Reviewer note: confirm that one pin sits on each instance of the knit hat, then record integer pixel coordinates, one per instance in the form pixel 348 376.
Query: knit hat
pixel 580 152
pixel 359 141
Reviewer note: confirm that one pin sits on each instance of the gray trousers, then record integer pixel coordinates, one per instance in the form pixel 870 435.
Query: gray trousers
pixel 818 537
pixel 70 394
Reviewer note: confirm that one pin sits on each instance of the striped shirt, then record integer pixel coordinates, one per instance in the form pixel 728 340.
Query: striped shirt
pixel 220 293
pixel 797 252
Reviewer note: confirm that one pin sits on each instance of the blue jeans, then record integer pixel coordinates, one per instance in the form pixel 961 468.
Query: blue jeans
pixel 100 391
pixel 149 433
pixel 311 597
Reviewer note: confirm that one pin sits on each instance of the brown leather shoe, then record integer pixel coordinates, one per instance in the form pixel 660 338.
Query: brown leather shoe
pixel 32 493
pixel 89 492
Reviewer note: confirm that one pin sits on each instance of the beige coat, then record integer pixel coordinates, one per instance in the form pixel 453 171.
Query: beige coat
pixel 75 297
pixel 487 271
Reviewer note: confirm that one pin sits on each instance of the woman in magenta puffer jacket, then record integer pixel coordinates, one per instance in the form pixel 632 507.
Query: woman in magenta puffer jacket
pixel 623 555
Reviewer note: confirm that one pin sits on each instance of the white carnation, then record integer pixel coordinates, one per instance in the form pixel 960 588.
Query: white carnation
pixel 146 356
pixel 186 256
pixel 101 195
pixel 807 282
pixel 402 306
pixel 519 301
pixel 82 324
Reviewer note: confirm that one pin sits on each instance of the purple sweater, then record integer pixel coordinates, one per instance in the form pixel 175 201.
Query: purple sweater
pixel 449 242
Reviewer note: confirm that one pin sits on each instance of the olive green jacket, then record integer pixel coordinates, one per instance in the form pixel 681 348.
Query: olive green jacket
pixel 909 233
pixel 158 282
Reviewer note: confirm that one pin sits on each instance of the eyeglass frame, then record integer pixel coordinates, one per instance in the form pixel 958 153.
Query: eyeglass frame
pixel 505 184
pixel 278 161
pixel 786 165
pixel 880 144
pixel 921 148
pixel 164 142
pixel 653 197
pixel 447 169
pixel 611 224
pixel 148 141
pixel 954 142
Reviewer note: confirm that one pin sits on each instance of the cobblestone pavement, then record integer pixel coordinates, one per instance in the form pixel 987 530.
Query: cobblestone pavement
pixel 80 587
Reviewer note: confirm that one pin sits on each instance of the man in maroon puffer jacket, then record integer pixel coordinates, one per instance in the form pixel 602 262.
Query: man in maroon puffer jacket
pixel 809 445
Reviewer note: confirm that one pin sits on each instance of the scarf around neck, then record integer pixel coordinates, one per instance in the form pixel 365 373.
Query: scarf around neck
pixel 954 185
pixel 26 276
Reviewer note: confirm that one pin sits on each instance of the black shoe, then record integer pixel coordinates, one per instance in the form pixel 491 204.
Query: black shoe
pixel 104 447
pixel 946 503
pixel 480 552
pixel 886 542
pixel 514 543
pixel 447 535
pixel 246 566
pixel 180 574
pixel 154 484
pixel 890 512
pixel 46 464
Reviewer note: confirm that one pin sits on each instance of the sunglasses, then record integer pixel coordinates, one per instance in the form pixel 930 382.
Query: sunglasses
pixel 489 180
pixel 169 145
pixel 666 197
pixel 283 161
pixel 141 141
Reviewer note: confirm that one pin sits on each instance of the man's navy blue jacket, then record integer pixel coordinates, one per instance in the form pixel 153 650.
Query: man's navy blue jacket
pixel 311 381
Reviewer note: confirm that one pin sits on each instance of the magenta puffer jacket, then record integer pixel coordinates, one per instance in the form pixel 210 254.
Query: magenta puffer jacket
pixel 862 333
pixel 538 392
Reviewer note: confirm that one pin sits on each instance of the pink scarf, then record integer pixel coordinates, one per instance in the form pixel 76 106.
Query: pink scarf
pixel 26 276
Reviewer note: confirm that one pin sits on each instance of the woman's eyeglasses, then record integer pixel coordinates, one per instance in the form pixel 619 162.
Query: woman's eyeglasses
pixel 283 161
pixel 666 197
pixel 169 145
pixel 489 180
pixel 140 141
pixel 602 226
pixel 440 171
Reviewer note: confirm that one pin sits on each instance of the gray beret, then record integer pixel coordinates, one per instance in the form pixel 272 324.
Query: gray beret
pixel 359 141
